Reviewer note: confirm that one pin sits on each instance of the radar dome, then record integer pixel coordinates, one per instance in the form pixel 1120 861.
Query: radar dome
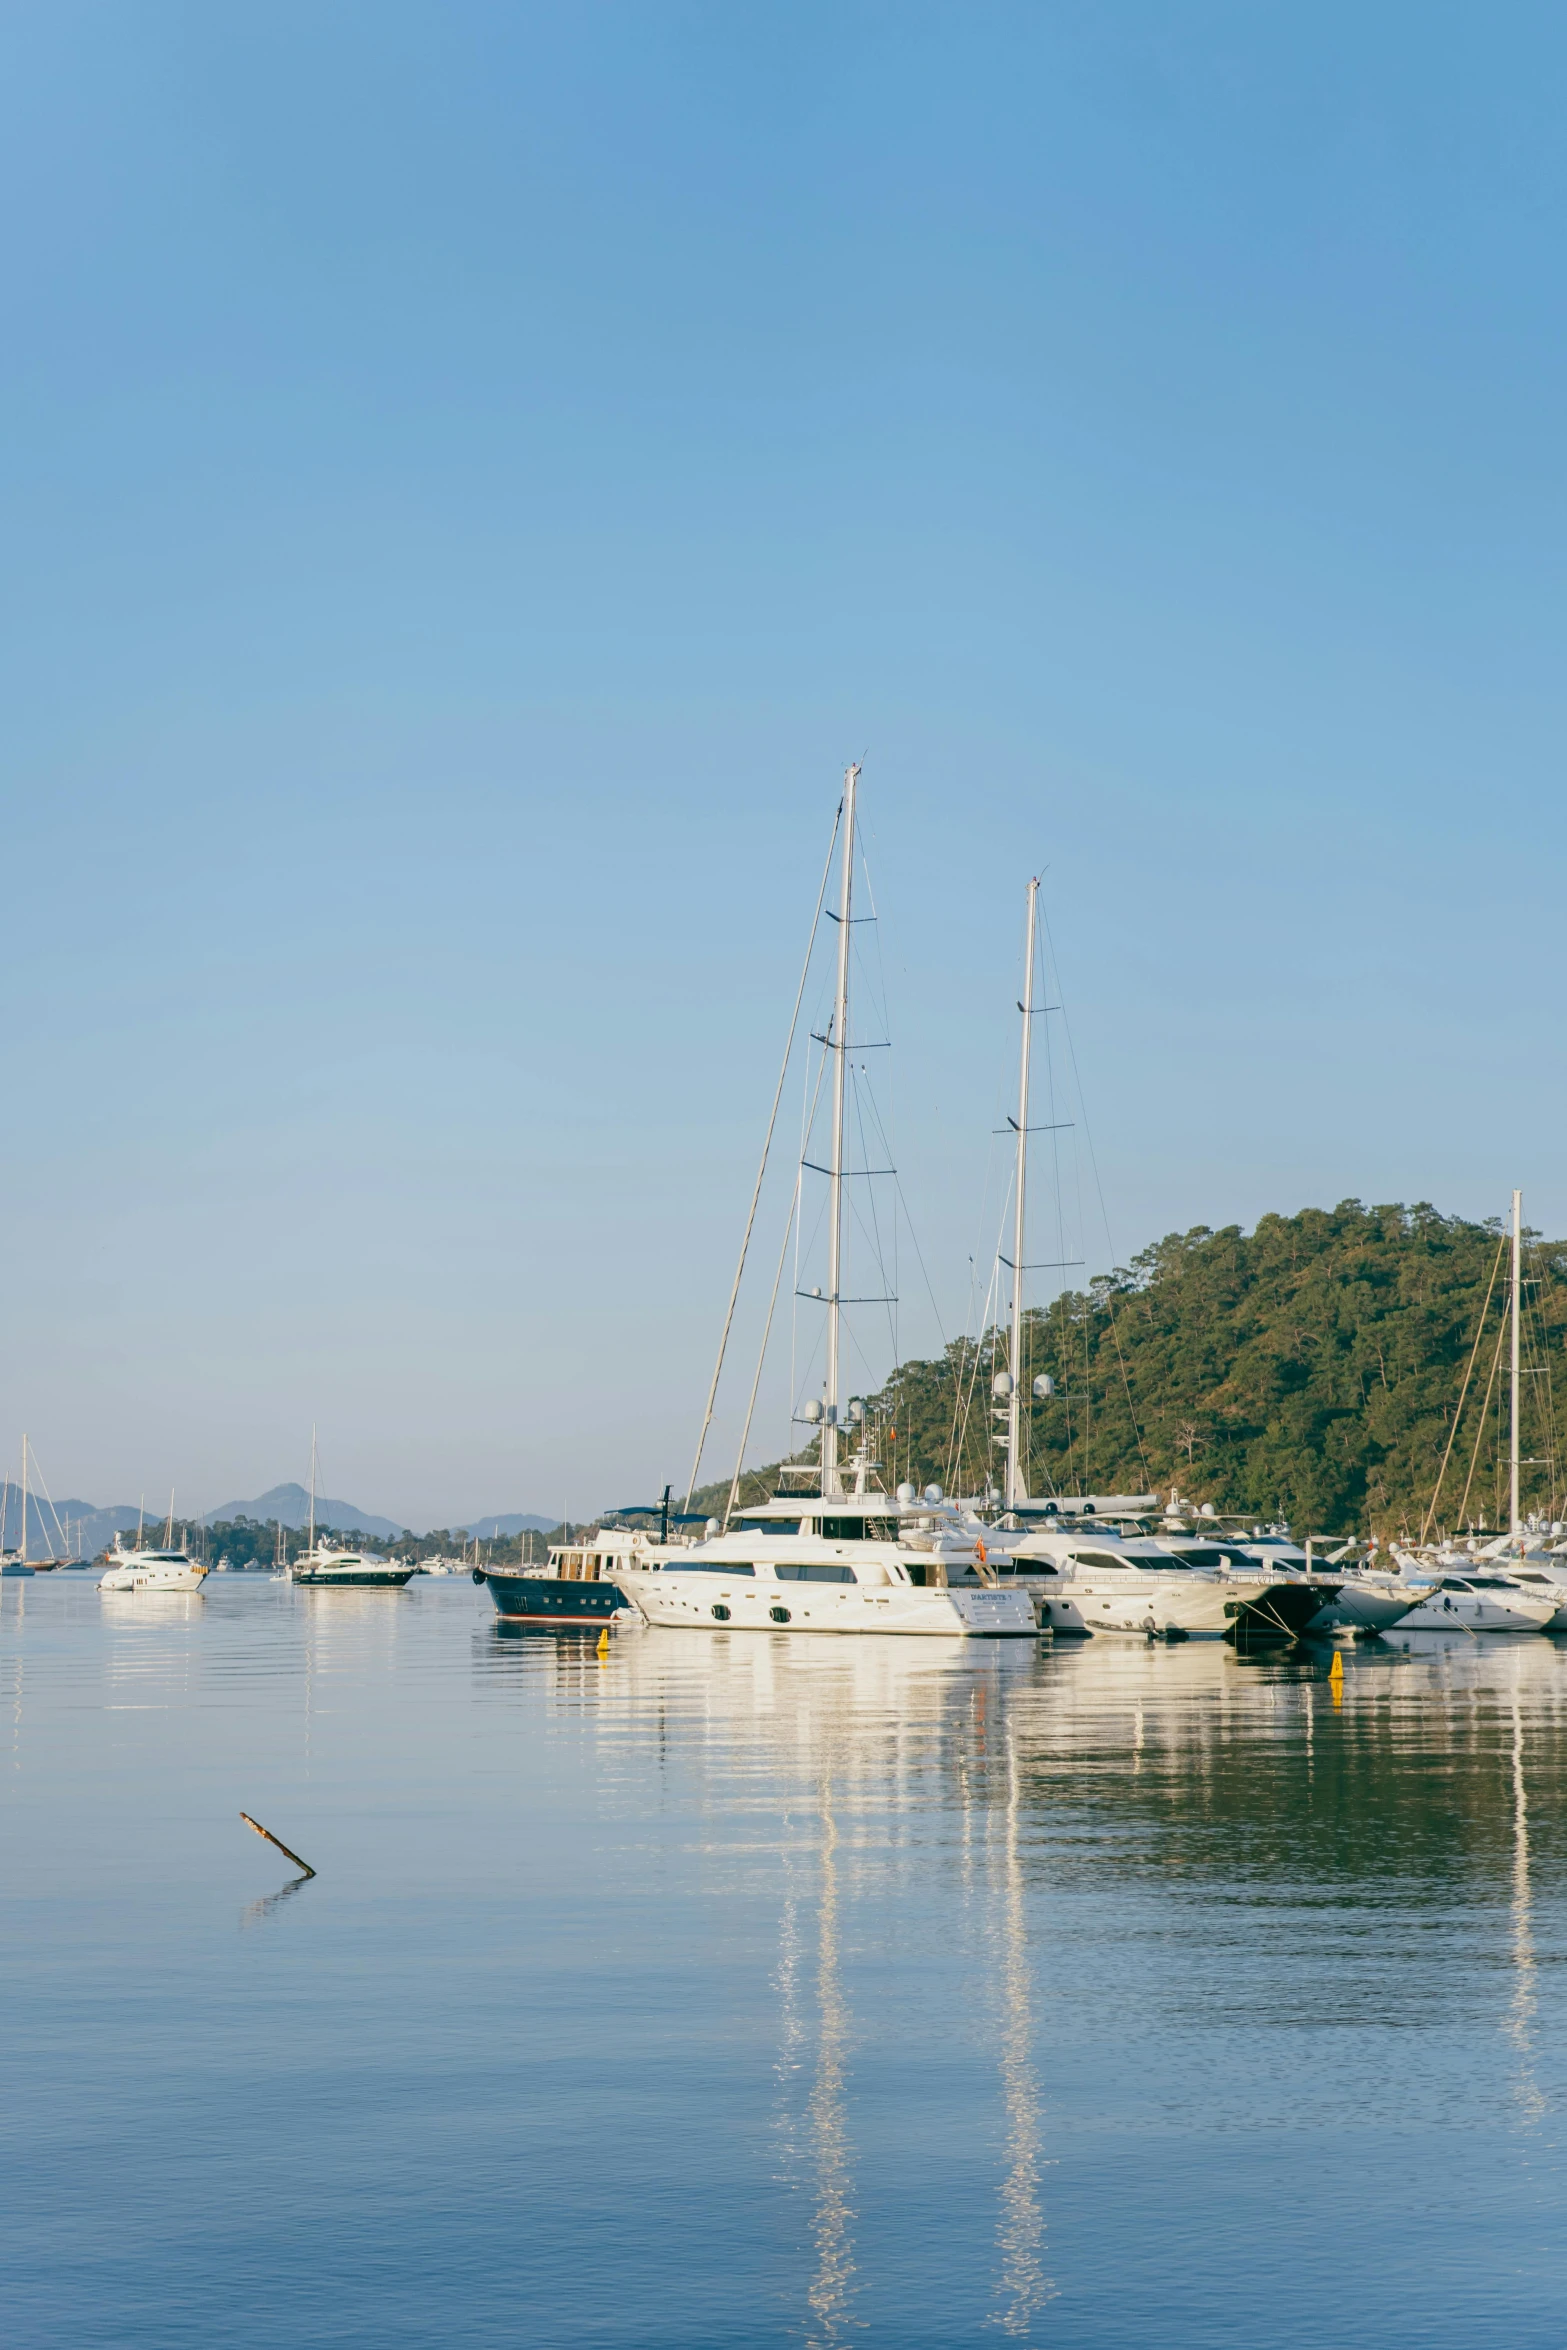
pixel 933 1494
pixel 812 1410
pixel 908 1493
pixel 1044 1386
pixel 1002 1385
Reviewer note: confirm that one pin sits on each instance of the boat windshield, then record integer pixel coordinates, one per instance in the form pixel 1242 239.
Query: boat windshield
pixel 710 1567
pixel 794 1574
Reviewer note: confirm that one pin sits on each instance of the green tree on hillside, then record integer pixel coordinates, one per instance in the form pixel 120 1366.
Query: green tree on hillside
pixel 1312 1367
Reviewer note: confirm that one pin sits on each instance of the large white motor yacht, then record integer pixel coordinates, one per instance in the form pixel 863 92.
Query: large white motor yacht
pixel 152 1570
pixel 839 1563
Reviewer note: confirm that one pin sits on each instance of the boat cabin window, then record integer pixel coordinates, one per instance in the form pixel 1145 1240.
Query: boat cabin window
pixel 771 1525
pixel 857 1529
pixel 793 1574
pixel 1451 1583
pixel 1199 1558
pixel 711 1567
pixel 1099 1558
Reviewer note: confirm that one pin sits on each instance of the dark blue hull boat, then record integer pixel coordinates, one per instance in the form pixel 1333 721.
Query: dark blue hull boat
pixel 550 1599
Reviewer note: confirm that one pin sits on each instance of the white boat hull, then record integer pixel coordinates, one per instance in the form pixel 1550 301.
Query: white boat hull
pixel 718 1603
pixel 1366 1607
pixel 1184 1607
pixel 1476 1611
pixel 152 1579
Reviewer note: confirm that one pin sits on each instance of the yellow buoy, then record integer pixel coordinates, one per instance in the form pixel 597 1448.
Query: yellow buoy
pixel 1336 1668
pixel 604 1641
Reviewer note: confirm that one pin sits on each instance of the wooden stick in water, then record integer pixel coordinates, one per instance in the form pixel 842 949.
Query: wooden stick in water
pixel 278 1841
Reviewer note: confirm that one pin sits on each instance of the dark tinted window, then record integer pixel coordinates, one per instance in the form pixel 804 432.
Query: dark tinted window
pixel 772 1525
pixel 708 1567
pixel 858 1529
pixel 793 1574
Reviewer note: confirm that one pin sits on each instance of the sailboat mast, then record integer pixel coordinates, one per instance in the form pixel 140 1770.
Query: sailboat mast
pixel 1514 1522
pixel 1016 1482
pixel 312 1491
pixel 831 1481
pixel 24 1501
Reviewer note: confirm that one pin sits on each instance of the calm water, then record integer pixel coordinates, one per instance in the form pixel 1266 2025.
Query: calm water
pixel 744 1992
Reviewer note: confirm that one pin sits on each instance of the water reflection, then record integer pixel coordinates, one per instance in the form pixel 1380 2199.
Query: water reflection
pixel 1520 2015
pixel 254 1911
pixel 1200 1826
pixel 830 2288
pixel 1023 2285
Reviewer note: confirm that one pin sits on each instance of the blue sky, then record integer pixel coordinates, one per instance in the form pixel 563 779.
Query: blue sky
pixel 472 476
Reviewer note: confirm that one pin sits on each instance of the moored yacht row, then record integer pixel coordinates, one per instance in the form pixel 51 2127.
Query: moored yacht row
pixel 874 1562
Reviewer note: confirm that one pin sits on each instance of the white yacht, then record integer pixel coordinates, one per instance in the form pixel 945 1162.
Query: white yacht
pixel 1089 1579
pixel 168 1569
pixel 353 1570
pixel 1357 1599
pixel 837 1563
pixel 326 1565
pixel 1483 1602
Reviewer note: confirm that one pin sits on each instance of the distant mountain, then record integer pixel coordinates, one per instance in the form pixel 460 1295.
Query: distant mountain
pixel 84 1529
pixel 289 1505
pixel 514 1524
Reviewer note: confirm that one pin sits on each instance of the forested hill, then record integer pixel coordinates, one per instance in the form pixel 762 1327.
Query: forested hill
pixel 1312 1367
